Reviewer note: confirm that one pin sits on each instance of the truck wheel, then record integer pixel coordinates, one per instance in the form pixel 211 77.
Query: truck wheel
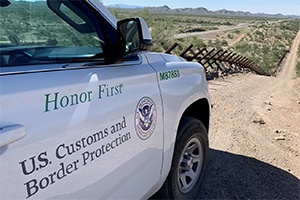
pixel 189 161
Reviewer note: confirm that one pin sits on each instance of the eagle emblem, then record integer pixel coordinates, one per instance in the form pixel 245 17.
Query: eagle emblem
pixel 145 118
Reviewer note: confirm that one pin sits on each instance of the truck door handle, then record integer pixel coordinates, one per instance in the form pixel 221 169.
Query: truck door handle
pixel 10 134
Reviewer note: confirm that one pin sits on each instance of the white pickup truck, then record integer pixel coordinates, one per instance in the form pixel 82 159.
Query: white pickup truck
pixel 88 112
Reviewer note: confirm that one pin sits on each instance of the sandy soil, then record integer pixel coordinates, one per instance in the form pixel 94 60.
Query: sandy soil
pixel 239 38
pixel 255 136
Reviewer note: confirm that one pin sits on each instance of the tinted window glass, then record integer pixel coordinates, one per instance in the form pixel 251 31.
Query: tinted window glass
pixel 31 33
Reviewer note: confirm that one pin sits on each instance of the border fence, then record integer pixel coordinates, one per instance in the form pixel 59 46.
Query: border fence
pixel 218 62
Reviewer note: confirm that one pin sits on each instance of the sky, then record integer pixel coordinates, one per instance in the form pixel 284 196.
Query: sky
pixel 286 7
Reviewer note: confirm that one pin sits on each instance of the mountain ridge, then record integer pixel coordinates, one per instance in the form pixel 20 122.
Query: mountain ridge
pixel 201 11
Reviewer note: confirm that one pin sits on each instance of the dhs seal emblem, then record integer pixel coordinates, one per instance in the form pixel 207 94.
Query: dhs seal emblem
pixel 145 118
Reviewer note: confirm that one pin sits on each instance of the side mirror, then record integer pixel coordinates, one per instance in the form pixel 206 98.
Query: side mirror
pixel 134 34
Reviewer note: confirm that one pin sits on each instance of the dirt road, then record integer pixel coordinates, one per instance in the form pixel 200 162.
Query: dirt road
pixel 209 33
pixel 237 40
pixel 255 136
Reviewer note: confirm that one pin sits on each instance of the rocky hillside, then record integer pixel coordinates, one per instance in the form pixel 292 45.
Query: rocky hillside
pixel 202 11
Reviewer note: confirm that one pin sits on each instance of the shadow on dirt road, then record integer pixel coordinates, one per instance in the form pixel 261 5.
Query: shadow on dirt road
pixel 231 176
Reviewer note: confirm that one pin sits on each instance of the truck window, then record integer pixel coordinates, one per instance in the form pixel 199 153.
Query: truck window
pixel 32 34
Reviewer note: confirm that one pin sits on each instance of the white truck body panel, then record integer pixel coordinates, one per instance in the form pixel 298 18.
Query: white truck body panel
pixel 55 127
pixel 178 93
pixel 92 129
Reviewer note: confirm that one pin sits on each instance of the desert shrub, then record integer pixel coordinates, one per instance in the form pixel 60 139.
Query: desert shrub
pixel 230 36
pixel 265 43
pixel 224 43
pixel 162 36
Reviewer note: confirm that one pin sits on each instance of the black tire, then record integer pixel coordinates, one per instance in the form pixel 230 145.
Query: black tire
pixel 189 161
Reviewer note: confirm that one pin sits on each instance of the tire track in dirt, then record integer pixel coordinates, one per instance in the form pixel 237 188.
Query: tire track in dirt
pixel 288 69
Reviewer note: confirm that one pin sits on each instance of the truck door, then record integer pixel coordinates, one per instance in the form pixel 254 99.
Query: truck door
pixel 81 133
pixel 74 122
